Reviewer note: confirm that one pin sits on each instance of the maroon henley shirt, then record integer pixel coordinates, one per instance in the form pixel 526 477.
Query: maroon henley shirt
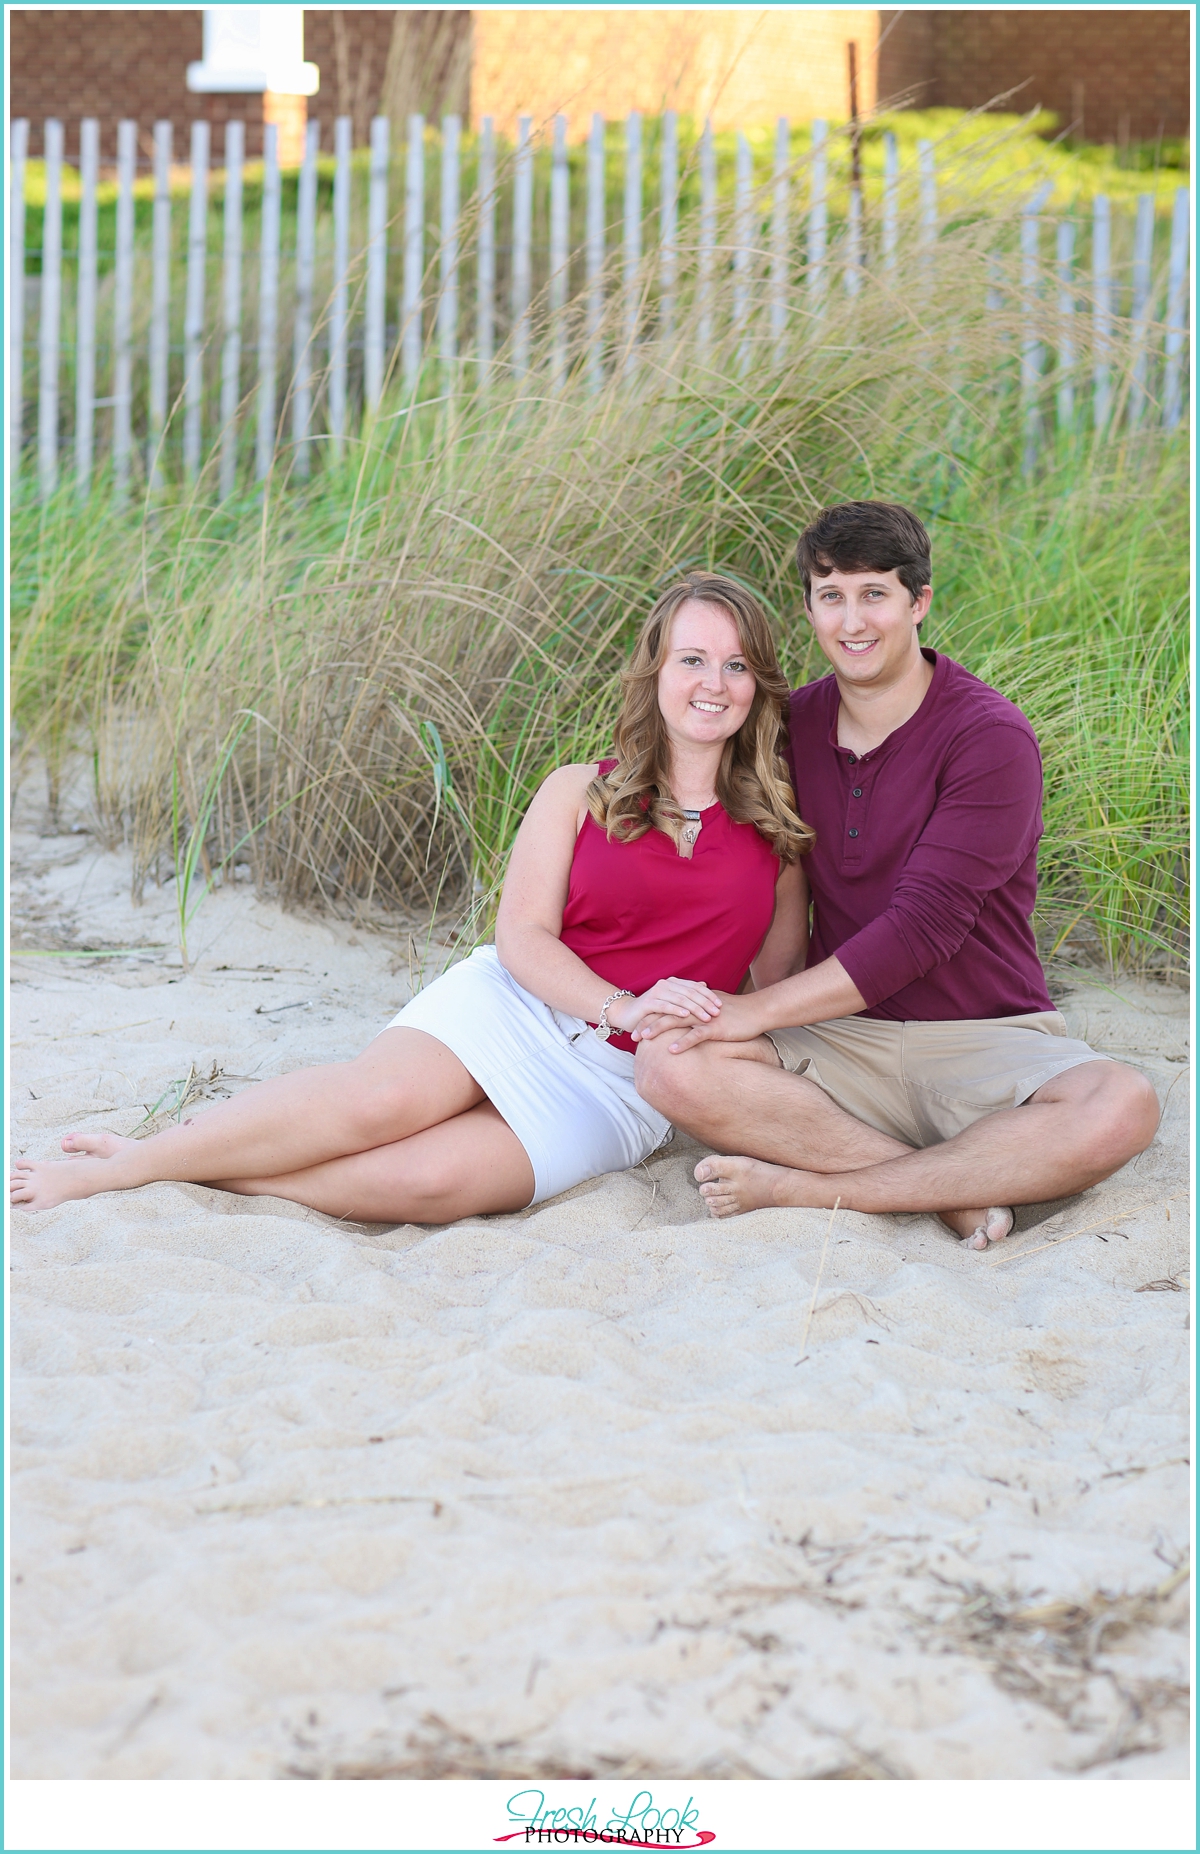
pixel 924 872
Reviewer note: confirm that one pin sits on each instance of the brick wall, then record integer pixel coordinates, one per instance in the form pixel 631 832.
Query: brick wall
pixel 1120 72
pixel 1126 70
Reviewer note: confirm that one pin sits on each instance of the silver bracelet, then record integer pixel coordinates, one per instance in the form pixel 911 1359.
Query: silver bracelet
pixel 604 1029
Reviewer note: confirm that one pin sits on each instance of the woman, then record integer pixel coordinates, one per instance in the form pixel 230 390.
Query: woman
pixel 511 1078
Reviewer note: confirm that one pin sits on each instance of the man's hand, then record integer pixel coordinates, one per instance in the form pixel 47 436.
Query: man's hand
pixel 738 1022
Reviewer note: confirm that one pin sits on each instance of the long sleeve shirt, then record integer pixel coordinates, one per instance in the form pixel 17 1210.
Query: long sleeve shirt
pixel 924 873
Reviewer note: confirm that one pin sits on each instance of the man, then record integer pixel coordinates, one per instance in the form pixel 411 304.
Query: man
pixel 917 1062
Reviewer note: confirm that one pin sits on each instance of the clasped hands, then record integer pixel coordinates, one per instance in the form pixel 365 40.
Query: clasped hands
pixel 686 1006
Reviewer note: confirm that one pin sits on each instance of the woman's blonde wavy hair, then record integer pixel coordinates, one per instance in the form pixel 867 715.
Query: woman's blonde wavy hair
pixel 752 784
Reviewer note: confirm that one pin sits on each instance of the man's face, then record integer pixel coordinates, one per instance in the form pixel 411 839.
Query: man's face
pixel 866 624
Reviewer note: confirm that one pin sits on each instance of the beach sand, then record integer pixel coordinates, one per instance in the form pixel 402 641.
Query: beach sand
pixel 560 1493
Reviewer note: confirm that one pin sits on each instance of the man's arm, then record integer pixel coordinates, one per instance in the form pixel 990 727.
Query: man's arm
pixel 983 826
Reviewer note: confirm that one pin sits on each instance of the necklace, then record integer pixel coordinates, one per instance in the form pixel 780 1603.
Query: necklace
pixel 692 828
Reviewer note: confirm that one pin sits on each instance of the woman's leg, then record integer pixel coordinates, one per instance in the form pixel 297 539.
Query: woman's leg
pixel 404 1082
pixel 464 1167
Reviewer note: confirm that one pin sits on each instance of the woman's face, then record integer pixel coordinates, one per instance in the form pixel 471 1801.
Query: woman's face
pixel 705 687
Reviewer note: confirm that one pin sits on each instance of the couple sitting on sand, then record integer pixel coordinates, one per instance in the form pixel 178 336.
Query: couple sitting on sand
pixel 901 1054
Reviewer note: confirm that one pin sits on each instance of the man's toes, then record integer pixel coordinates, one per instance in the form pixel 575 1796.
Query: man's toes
pixel 703 1171
pixel 998 1223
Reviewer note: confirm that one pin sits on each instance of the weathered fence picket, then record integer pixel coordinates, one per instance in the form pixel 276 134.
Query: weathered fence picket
pixel 772 263
pixel 231 307
pixel 1143 257
pixel 85 304
pixel 1065 254
pixel 1177 290
pixel 160 303
pixel 560 238
pixel 377 219
pixel 268 305
pixel 818 214
pixel 485 253
pixel 522 256
pixel 595 251
pixel 780 201
pixel 1101 310
pixel 706 252
pixel 414 252
pixel 339 348
pixel 50 310
pixel 16 308
pixel 447 316
pixel 306 239
pixel 193 319
pixel 122 373
pixel 633 231
pixel 668 224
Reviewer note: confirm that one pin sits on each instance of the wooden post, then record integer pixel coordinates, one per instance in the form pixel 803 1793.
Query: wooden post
pixel 193 321
pixel 51 310
pixel 231 306
pixel 160 304
pixel 485 257
pixel 16 272
pixel 1101 310
pixel 668 215
pixel 377 220
pixel 633 230
pixel 85 305
pixel 1066 325
pixel 817 214
pixel 779 236
pixel 1177 301
pixel 447 316
pixel 742 242
pixel 595 252
pixel 412 332
pixel 122 374
pixel 560 232
pixel 306 241
pixel 339 348
pixel 891 200
pixel 268 305
pixel 1143 257
pixel 522 243
pixel 708 239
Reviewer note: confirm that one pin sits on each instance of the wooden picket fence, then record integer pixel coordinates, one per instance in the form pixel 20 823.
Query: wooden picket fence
pixel 472 307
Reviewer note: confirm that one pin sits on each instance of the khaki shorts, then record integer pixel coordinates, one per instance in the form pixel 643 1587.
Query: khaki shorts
pixel 924 1082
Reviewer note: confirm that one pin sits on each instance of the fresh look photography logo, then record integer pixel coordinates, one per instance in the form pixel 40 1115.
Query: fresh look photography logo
pixel 644 1824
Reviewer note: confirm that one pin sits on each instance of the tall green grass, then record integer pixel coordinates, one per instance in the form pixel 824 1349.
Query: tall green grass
pixel 416 636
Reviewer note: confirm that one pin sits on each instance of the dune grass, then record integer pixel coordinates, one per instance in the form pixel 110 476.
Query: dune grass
pixel 401 648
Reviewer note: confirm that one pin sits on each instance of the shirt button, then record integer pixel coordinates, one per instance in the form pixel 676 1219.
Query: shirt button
pixel 853 759
pixel 854 833
pixel 857 792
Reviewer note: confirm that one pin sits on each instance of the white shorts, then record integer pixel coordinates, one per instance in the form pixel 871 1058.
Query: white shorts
pixel 568 1097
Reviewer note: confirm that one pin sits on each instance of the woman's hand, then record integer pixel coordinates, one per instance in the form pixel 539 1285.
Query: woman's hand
pixel 671 1000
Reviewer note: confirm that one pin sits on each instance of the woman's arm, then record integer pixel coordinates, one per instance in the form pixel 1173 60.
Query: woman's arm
pixel 529 922
pixel 786 945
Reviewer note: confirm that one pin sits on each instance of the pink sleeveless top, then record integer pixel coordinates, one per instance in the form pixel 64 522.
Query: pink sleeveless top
pixel 638 912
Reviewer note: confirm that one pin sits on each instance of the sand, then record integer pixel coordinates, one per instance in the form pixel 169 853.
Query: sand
pixel 560 1492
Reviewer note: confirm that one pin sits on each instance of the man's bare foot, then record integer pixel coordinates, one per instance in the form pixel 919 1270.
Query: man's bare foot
pixel 979 1229
pixel 41 1184
pixel 731 1185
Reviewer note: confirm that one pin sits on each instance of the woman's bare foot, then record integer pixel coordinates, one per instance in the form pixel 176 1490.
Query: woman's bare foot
pixel 41 1184
pixel 96 1145
pixel 732 1185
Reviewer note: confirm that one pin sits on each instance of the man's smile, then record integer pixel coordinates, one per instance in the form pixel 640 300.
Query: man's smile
pixel 860 647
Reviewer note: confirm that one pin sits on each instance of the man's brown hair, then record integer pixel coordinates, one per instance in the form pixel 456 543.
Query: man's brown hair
pixel 866 537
